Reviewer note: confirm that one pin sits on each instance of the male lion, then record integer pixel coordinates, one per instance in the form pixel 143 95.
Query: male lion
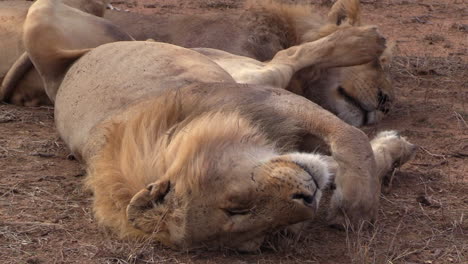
pixel 177 151
pixel 359 94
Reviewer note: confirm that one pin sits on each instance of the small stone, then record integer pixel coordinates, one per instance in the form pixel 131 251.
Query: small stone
pixel 423 200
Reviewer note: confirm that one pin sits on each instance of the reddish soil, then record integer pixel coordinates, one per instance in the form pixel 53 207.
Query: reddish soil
pixel 45 215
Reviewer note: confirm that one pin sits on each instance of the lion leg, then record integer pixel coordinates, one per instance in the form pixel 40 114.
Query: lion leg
pixel 357 186
pixel 390 151
pixel 54 40
pixel 21 66
pixel 30 91
pixel 24 64
pixel 348 46
pixel 54 74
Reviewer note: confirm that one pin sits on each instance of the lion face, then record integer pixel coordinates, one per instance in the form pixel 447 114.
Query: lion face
pixel 364 94
pixel 359 95
pixel 235 207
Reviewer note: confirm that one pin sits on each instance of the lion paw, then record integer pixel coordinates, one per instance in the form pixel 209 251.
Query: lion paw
pixel 359 45
pixel 354 205
pixel 392 147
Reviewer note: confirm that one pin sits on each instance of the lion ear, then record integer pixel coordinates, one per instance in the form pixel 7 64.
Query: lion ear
pixel 148 198
pixel 348 10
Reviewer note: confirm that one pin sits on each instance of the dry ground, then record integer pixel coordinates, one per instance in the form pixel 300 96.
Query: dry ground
pixel 45 215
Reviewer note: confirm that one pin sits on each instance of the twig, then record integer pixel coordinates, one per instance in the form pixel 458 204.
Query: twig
pixel 432 154
pixel 33 223
pixel 460 119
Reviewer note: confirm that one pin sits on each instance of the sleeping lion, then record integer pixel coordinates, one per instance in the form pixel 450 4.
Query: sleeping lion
pixel 178 152
pixel 359 94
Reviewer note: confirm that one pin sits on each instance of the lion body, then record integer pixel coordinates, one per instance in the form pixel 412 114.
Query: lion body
pixel 179 152
pixel 135 127
pixel 262 29
pixel 259 31
pixel 122 90
pixel 182 100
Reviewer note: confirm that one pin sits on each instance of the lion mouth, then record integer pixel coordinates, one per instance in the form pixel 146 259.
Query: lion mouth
pixel 384 102
pixel 353 101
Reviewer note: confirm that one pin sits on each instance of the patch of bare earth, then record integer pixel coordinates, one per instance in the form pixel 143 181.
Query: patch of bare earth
pixel 45 215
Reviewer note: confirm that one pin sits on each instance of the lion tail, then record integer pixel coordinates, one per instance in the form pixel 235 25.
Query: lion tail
pixel 70 56
pixel 17 71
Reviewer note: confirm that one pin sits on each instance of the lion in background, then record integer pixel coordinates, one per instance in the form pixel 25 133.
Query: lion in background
pixel 360 94
pixel 28 82
pixel 191 158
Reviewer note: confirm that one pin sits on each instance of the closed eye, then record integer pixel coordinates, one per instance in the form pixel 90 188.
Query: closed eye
pixel 236 211
pixel 351 100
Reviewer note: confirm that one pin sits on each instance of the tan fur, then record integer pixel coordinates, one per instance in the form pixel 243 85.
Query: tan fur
pixel 156 141
pixel 303 21
pixel 17 72
pixel 263 29
pixel 175 139
pixel 390 150
pixel 24 86
pixel 213 117
pixel 71 40
pixel 266 27
pixel 13 14
pixel 94 7
pixel 367 84
pixel 142 150
pixel 180 153
pixel 314 56
pixel 345 11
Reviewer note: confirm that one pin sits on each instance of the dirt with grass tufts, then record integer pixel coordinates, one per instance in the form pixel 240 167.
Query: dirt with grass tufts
pixel 46 217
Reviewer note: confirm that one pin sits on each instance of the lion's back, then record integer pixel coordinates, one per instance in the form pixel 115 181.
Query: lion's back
pixel 110 78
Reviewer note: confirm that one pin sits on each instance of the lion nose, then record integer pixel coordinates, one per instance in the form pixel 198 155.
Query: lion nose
pixel 384 102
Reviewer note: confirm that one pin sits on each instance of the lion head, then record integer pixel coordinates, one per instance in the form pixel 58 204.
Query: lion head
pixel 359 95
pixel 362 94
pixel 191 184
pixel 235 210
